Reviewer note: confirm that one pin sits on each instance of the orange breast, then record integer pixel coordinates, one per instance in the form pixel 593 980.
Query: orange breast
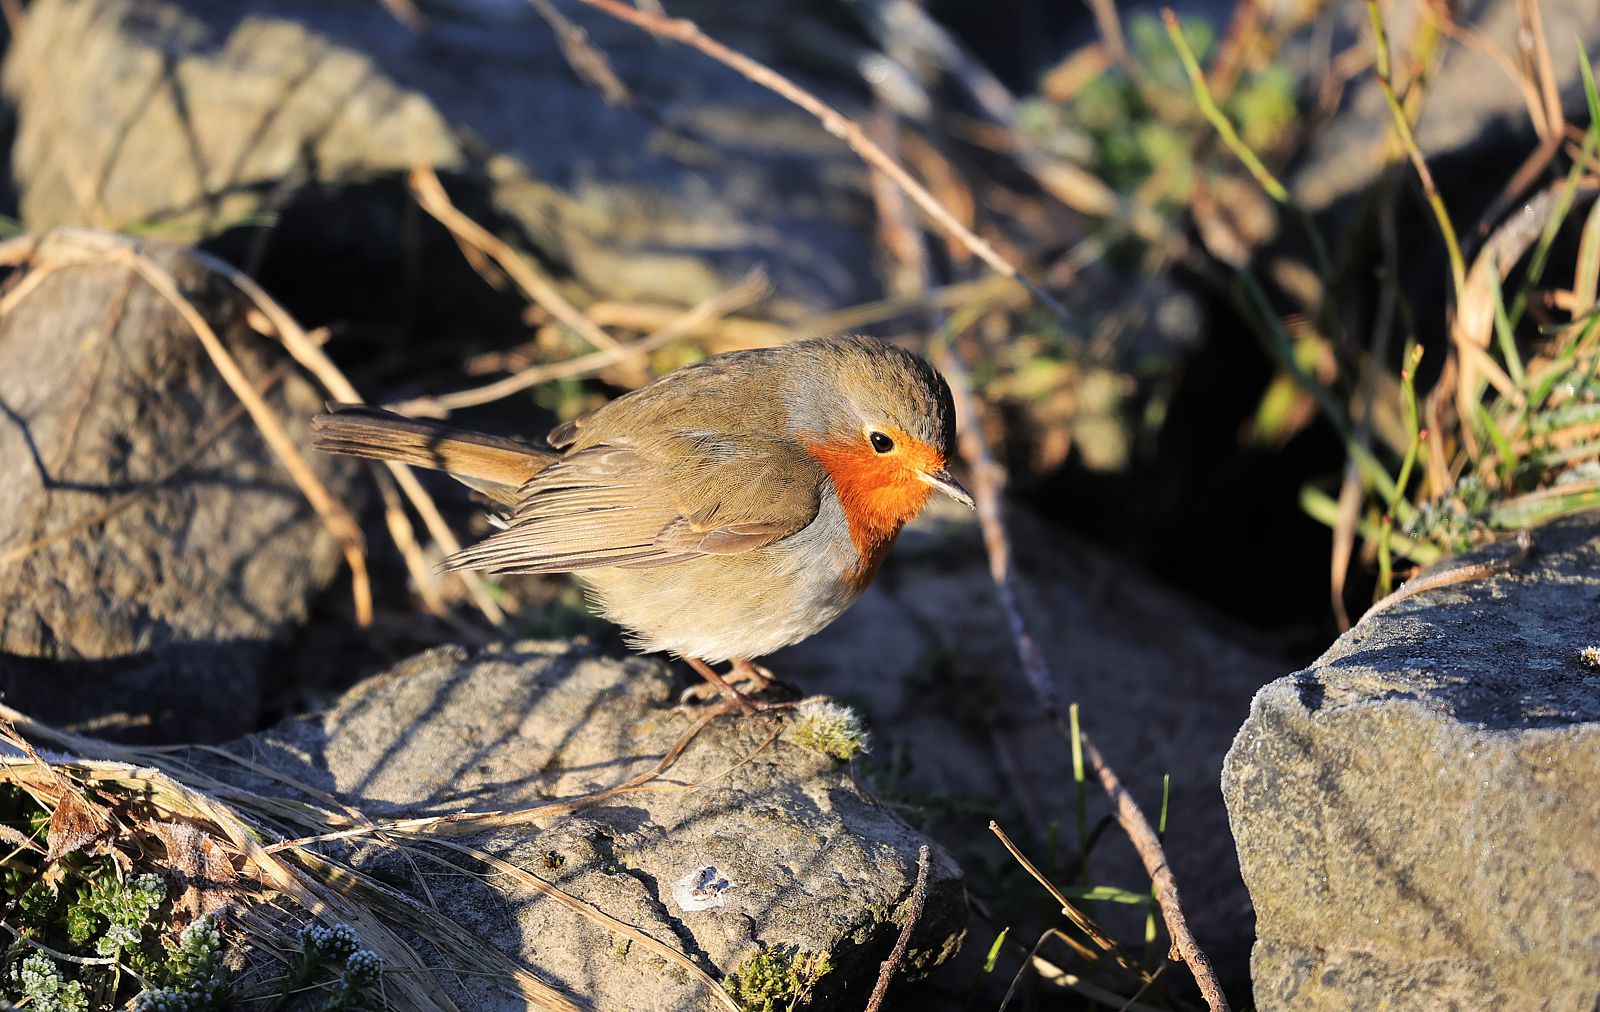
pixel 878 494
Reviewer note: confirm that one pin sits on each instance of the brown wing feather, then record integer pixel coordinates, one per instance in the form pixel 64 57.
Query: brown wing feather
pixel 677 496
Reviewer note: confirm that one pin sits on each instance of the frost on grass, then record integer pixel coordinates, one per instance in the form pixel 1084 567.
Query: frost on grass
pixel 830 728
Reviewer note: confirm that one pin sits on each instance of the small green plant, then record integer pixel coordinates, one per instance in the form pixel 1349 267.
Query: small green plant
pixel 324 947
pixel 88 907
pixel 777 979
pixel 196 980
pixel 830 728
pixel 112 912
pixel 39 985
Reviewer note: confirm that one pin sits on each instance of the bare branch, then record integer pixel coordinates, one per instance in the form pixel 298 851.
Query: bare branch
pixel 919 895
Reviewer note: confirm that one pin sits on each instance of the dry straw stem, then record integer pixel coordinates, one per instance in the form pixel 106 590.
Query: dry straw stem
pixel 988 482
pixel 430 195
pixel 315 361
pixel 333 512
pixel 836 123
pixel 408 982
pixel 919 895
pixel 1469 573
pixel 1076 916
pixel 593 913
pixel 752 288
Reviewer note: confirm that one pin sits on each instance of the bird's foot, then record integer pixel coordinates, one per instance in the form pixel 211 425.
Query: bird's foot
pixel 720 694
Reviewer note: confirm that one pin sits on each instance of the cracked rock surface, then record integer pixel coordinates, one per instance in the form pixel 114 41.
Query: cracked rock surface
pixel 748 841
pixel 1416 812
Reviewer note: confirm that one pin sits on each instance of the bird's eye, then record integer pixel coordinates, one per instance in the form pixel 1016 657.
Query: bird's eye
pixel 881 443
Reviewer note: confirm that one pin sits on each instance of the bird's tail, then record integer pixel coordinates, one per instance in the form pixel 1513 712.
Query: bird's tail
pixel 494 465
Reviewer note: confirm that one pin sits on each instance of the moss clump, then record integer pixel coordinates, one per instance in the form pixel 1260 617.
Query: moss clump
pixel 830 728
pixel 777 979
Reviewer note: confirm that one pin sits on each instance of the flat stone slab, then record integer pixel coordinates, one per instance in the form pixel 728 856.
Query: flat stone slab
pixel 1416 813
pixel 749 841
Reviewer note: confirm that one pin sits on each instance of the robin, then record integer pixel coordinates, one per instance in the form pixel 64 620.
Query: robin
pixel 730 508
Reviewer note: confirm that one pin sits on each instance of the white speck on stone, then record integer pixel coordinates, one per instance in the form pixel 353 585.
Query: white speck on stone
pixel 701 889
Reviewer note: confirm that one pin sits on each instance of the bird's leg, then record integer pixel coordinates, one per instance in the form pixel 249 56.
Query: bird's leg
pixel 720 684
pixel 742 673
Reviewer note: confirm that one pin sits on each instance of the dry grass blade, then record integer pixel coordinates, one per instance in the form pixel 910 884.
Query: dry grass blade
pixel 413 987
pixel 333 512
pixel 450 938
pixel 919 895
pixel 311 356
pixel 404 537
pixel 1079 919
pixel 430 194
pixel 1586 273
pixel 483 821
pixel 836 123
pixel 752 288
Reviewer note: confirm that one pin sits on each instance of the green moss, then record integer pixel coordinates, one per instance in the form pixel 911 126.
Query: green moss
pixel 777 979
pixel 830 728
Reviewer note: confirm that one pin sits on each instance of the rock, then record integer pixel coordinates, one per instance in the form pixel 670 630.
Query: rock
pixel 203 115
pixel 152 550
pixel 762 843
pixel 1415 813
pixel 959 739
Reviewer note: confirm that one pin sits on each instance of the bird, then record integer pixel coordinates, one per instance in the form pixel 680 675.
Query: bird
pixel 730 508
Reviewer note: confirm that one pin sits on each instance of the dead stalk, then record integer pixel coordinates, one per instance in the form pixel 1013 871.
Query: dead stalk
pixel 919 895
pixel 430 194
pixel 315 361
pixel 340 523
pixel 749 290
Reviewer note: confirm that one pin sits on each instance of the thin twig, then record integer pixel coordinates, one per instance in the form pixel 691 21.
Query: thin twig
pixel 430 194
pixel 752 288
pixel 583 56
pixel 316 361
pixel 919 895
pixel 65 957
pixel 1455 575
pixel 1076 916
pixel 988 482
pixel 836 123
pixel 334 515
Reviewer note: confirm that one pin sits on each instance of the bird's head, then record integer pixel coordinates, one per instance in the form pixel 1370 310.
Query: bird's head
pixel 880 421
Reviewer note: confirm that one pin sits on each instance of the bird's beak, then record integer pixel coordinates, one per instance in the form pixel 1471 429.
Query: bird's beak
pixel 944 482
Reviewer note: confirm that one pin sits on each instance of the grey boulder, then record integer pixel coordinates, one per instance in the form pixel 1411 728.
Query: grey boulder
pixel 748 843
pixel 1416 813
